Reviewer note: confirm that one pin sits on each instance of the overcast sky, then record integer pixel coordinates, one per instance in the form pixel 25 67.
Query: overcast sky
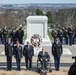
pixel 35 1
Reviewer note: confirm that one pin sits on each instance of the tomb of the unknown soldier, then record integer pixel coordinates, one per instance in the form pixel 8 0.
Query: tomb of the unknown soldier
pixel 38 39
pixel 38 25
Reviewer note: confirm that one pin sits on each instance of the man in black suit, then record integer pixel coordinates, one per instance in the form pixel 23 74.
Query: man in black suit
pixel 28 53
pixel 57 50
pixel 18 54
pixel 9 53
pixel 43 57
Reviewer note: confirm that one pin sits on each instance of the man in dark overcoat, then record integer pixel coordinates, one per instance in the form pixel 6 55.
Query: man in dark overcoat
pixel 28 53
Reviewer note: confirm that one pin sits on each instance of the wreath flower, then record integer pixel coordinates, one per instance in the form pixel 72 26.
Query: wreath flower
pixel 36 40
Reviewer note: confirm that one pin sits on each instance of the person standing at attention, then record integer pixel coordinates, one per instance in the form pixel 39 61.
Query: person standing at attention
pixel 57 50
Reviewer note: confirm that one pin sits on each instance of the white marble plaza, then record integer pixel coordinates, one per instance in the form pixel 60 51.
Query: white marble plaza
pixel 66 51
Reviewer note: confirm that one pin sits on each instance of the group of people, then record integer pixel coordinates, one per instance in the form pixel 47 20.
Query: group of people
pixel 28 52
pixel 13 38
pixel 17 52
pixel 14 33
pixel 65 35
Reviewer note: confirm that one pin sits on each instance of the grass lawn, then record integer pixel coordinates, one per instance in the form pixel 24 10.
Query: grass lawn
pixel 25 36
pixel 50 36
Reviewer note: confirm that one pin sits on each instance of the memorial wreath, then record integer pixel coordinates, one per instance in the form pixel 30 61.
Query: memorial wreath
pixel 36 40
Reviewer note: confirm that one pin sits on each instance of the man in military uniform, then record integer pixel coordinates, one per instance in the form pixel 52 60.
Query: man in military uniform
pixel 66 36
pixel 54 34
pixel 57 50
pixel 9 53
pixel 73 36
pixel 70 33
pixel 13 36
pixel 17 35
pixel 1 36
pixel 21 34
pixel 10 33
pixel 5 33
pixel 28 53
pixel 60 35
pixel 44 57
pixel 18 54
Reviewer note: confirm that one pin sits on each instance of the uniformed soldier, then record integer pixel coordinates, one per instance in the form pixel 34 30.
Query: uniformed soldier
pixel 21 34
pixel 75 32
pixel 43 57
pixel 60 35
pixel 57 50
pixel 10 33
pixel 54 34
pixel 13 36
pixel 18 54
pixel 17 35
pixel 66 36
pixel 9 53
pixel 1 36
pixel 73 36
pixel 5 33
pixel 70 33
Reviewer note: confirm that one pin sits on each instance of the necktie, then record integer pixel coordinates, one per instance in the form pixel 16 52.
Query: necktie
pixel 43 53
pixel 28 47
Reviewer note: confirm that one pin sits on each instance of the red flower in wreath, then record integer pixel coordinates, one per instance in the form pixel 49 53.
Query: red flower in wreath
pixel 36 40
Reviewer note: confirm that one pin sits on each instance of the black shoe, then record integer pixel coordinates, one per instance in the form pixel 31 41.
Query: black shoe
pixel 8 69
pixel 57 69
pixel 18 69
pixel 29 69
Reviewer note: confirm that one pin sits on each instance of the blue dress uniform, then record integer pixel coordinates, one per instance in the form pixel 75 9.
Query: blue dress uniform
pixel 70 33
pixel 9 53
pixel 60 35
pixel 28 52
pixel 18 55
pixel 44 55
pixel 54 35
pixel 73 36
pixel 13 36
pixel 66 36
pixel 16 35
pixel 21 34
pixel 56 52
pixel 1 36
pixel 5 33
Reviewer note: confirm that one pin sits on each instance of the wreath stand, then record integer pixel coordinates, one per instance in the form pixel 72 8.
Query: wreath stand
pixel 37 50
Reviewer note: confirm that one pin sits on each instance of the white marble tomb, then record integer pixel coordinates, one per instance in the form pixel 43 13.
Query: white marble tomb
pixel 38 25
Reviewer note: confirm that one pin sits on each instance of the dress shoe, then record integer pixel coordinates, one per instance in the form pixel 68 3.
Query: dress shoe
pixel 30 69
pixel 57 69
pixel 8 69
pixel 18 69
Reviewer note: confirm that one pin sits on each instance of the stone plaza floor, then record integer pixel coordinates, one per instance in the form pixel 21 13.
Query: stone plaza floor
pixel 66 62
